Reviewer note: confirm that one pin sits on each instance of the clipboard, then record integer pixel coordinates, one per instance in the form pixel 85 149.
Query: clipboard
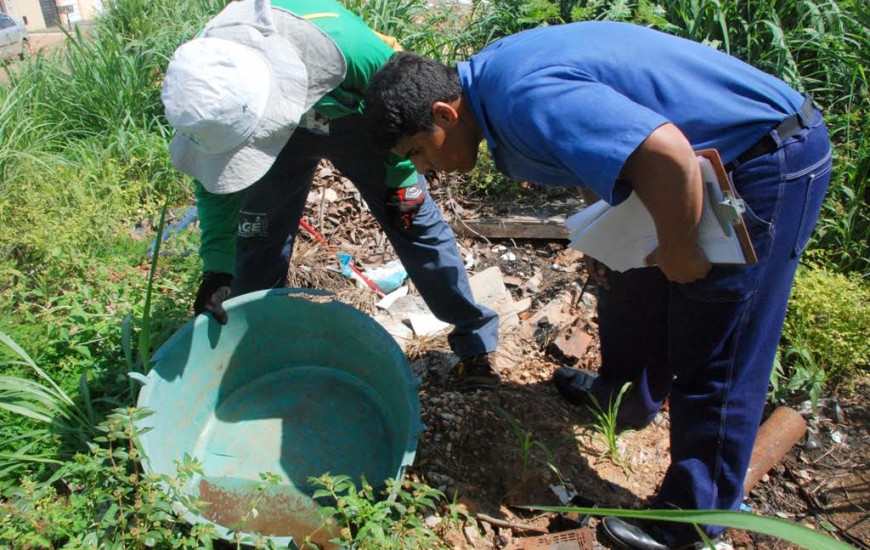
pixel 727 205
pixel 622 236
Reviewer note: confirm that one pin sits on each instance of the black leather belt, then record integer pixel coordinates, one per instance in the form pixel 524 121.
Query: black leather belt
pixel 784 130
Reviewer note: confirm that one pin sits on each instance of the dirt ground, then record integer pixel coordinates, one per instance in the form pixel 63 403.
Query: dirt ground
pixel 47 39
pixel 494 452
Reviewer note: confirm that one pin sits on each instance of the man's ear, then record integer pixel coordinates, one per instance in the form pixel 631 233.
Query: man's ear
pixel 444 112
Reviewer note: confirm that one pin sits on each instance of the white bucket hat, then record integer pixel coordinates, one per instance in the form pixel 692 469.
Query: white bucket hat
pixel 237 92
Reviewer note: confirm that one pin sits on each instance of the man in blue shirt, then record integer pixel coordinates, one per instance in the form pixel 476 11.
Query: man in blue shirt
pixel 615 108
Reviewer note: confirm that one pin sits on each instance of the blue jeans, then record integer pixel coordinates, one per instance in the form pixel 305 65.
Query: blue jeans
pixel 427 250
pixel 710 345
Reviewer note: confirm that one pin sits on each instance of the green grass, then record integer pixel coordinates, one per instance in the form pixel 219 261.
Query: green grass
pixel 84 168
pixel 526 444
pixel 605 427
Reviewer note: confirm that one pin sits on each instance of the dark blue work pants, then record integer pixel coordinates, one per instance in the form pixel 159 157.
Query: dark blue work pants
pixel 710 345
pixel 427 250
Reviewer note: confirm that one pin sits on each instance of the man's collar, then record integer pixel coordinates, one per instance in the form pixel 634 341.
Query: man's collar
pixel 471 98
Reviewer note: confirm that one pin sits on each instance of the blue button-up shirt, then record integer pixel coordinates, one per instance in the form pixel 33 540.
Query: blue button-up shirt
pixel 567 105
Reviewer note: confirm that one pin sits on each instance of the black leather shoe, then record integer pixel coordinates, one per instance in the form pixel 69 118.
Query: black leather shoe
pixel 574 384
pixel 629 535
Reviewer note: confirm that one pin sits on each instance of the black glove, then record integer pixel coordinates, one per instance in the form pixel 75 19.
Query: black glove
pixel 213 290
pixel 403 204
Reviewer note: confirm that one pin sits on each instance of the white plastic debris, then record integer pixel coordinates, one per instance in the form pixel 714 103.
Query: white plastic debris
pixel 389 276
pixel 426 324
pixel 387 301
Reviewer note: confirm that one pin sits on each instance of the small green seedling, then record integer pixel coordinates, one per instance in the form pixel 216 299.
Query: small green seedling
pixel 605 424
pixel 524 437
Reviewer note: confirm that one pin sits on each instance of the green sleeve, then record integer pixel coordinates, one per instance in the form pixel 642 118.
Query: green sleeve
pixel 218 223
pixel 364 52
pixel 400 172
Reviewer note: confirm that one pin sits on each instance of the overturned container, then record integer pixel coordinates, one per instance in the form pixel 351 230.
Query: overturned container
pixel 296 385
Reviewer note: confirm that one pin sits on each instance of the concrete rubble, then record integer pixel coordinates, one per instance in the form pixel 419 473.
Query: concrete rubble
pixel 555 327
pixel 408 316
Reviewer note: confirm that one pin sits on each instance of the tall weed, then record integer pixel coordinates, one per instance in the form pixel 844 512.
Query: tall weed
pixel 606 429
pixel 23 139
pixel 395 18
pixel 842 237
pixel 164 24
pixel 45 402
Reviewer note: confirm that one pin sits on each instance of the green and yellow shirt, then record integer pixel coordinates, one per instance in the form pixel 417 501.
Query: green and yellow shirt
pixel 365 51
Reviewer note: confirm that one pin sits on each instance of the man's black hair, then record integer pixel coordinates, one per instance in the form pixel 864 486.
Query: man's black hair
pixel 399 99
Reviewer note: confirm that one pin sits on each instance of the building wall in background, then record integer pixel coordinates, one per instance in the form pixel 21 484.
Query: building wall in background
pixel 40 14
pixel 90 9
pixel 28 11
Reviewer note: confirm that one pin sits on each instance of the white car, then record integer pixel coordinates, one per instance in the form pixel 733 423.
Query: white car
pixel 13 38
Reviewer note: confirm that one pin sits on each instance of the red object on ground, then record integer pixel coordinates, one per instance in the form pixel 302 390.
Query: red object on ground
pixel 777 435
pixel 305 225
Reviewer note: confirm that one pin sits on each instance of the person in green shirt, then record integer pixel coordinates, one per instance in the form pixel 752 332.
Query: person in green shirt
pixel 258 99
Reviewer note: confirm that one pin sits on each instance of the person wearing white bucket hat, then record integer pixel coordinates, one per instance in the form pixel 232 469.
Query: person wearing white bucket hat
pixel 264 93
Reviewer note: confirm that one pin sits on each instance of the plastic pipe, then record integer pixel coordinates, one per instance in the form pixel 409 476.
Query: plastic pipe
pixel 305 225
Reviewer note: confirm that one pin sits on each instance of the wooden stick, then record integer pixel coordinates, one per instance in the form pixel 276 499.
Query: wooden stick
pixel 510 525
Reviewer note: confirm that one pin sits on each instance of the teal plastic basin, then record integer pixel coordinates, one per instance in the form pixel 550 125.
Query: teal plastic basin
pixel 295 384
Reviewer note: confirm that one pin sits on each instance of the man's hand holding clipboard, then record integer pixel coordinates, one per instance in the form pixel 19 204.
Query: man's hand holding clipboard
pixel 622 236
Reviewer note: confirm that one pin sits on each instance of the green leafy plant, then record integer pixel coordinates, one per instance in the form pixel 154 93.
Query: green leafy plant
pixel 46 403
pixel 43 400
pixel 367 520
pixel 267 479
pixel 486 180
pixel 826 328
pixel 104 499
pixel 804 377
pixel 605 426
